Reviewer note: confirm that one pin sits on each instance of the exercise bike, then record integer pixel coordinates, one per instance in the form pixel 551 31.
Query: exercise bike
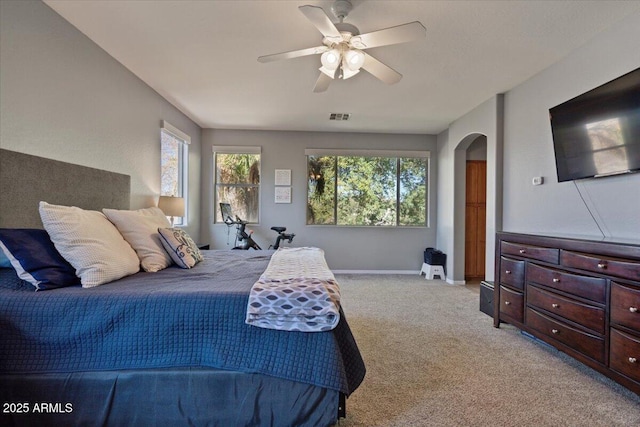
pixel 244 241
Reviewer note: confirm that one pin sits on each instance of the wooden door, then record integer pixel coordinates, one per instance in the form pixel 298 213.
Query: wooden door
pixel 475 225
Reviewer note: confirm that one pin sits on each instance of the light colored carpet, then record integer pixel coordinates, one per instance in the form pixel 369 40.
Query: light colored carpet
pixel 433 359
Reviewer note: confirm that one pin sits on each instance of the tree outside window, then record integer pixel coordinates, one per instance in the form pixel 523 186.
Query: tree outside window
pixel 367 191
pixel 237 182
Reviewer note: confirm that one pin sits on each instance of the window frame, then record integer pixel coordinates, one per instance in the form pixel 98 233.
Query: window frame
pixel 235 149
pixel 397 155
pixel 183 168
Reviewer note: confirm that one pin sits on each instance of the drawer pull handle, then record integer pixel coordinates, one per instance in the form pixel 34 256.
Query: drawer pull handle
pixel 507 272
pixel 602 265
pixel 555 305
pixel 556 280
pixel 633 309
pixel 555 331
pixel 632 360
pixel 507 302
pixel 523 251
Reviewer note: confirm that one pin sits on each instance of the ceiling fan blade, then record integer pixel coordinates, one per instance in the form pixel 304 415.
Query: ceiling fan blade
pixel 380 70
pixel 394 35
pixel 320 20
pixel 322 83
pixel 293 54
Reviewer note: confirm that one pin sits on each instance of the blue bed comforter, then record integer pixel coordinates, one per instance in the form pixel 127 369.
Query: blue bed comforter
pixel 172 318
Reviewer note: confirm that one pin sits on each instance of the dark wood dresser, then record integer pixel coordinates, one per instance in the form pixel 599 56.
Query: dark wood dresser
pixel 581 296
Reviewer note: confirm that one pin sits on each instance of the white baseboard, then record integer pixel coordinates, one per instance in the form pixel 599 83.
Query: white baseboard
pixel 416 272
pixel 407 272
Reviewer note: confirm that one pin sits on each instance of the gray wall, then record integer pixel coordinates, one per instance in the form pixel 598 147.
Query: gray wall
pixel 346 248
pixel 478 149
pixel 611 205
pixel 484 121
pixel 63 97
pixel 520 147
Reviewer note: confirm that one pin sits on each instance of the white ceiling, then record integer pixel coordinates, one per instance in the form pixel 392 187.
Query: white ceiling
pixel 202 57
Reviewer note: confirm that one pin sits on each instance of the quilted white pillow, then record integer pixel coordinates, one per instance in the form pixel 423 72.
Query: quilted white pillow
pixel 140 229
pixel 90 243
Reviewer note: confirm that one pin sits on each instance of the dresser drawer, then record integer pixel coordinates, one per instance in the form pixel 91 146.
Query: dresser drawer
pixel 619 267
pixel 587 344
pixel 512 272
pixel 511 303
pixel 589 316
pixel 624 356
pixel 592 288
pixel 550 255
pixel 625 306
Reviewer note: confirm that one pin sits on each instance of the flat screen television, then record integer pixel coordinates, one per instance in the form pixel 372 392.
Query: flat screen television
pixel 598 133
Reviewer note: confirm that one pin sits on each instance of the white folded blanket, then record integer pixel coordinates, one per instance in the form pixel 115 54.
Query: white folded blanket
pixel 297 292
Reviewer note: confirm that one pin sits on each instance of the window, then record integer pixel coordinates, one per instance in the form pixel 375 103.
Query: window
pixel 237 181
pixel 371 189
pixel 174 155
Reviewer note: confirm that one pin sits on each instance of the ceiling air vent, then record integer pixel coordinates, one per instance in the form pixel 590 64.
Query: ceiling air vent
pixel 339 116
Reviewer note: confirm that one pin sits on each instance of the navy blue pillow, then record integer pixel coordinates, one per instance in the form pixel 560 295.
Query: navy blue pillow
pixel 35 258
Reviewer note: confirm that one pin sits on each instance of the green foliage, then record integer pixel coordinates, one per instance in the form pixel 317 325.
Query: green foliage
pixel 413 191
pixel 366 191
pixel 321 190
pixel 355 190
pixel 238 168
pixel 238 183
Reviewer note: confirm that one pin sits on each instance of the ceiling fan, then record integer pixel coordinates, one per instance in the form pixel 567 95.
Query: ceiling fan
pixel 342 47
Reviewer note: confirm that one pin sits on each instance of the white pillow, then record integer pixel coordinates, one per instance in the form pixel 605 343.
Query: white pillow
pixel 140 229
pixel 90 243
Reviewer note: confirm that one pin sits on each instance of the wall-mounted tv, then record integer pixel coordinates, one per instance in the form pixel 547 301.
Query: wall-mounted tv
pixel 598 133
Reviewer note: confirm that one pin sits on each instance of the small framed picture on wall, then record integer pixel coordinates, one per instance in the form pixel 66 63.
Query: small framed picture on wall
pixel 283 177
pixel 283 195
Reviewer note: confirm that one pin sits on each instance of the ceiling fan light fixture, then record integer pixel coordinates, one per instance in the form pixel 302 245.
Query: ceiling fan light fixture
pixel 342 47
pixel 330 59
pixel 353 59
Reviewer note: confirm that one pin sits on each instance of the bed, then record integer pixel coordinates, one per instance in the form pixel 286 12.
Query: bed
pixel 164 348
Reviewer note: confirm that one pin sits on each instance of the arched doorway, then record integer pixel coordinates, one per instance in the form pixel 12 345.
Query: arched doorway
pixel 470 205
pixel 485 120
pixel 475 211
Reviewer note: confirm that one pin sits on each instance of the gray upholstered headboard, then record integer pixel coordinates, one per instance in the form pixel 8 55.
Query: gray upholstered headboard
pixel 25 180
